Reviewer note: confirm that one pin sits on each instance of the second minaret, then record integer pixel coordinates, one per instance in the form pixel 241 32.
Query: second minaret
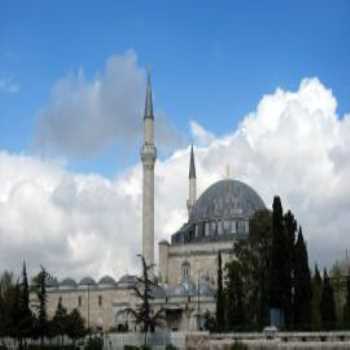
pixel 148 158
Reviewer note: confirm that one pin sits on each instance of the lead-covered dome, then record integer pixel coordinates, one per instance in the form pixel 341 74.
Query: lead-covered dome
pixel 222 212
pixel 226 199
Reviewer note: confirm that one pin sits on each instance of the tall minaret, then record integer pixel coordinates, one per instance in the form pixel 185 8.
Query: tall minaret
pixel 148 158
pixel 192 190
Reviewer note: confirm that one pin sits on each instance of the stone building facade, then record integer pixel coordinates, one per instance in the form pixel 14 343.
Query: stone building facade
pixel 187 262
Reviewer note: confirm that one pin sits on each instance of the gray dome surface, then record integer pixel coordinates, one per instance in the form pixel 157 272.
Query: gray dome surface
pixel 107 280
pixel 226 199
pixel 68 282
pixel 87 281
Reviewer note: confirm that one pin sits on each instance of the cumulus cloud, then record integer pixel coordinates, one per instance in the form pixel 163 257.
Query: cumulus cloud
pixel 86 116
pixel 293 145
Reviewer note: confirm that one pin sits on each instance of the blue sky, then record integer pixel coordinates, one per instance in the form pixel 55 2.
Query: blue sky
pixel 211 61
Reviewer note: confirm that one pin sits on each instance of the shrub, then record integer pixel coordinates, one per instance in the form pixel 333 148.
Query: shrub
pixel 131 347
pixel 94 343
pixel 171 347
pixel 238 346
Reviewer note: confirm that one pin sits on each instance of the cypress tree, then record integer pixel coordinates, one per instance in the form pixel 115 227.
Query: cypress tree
pixel 278 262
pixel 235 316
pixel 220 308
pixel 26 317
pixel 316 299
pixel 290 231
pixel 346 312
pixel 327 306
pixel 303 289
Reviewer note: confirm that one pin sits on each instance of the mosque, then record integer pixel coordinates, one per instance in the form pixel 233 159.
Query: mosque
pixel 187 263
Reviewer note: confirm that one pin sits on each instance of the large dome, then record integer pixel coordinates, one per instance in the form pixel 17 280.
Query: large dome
pixel 226 199
pixel 222 212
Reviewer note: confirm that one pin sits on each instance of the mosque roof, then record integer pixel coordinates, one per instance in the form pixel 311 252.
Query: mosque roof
pixel 107 280
pixel 226 199
pixel 87 281
pixel 68 282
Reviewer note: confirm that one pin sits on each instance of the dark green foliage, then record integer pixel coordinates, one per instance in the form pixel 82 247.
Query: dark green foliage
pixel 316 300
pixel 254 255
pixel 75 326
pixel 327 306
pixel 220 302
pixel 131 347
pixel 346 312
pixel 290 224
pixel 51 347
pixel 238 346
pixel 143 313
pixel 303 288
pixel 171 347
pixel 59 323
pixel 209 322
pixel 278 257
pixel 234 296
pixel 41 325
pixel 94 343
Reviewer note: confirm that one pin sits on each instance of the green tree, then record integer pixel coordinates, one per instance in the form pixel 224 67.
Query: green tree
pixel 290 230
pixel 327 306
pixel 254 255
pixel 75 326
pixel 303 288
pixel 316 299
pixel 60 322
pixel 8 296
pixel 346 312
pixel 143 313
pixel 25 324
pixel 41 324
pixel 220 301
pixel 337 281
pixel 278 262
pixel 235 316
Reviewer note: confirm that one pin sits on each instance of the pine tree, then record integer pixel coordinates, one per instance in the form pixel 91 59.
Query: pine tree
pixel 290 230
pixel 220 307
pixel 303 288
pixel 60 321
pixel 346 312
pixel 316 299
pixel 75 326
pixel 278 262
pixel 26 317
pixel 327 306
pixel 235 315
pixel 42 324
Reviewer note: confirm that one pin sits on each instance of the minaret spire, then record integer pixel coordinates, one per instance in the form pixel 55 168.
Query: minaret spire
pixel 148 157
pixel 192 174
pixel 149 102
pixel 192 190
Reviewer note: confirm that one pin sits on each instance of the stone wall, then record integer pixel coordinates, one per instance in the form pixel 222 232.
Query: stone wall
pixel 202 258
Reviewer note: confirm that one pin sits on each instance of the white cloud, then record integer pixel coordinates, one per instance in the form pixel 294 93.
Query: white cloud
pixel 86 116
pixel 293 145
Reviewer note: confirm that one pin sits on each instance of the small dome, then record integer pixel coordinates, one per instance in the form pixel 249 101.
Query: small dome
pixel 107 281
pixel 68 282
pixel 127 280
pixel 52 283
pixel 87 281
pixel 226 199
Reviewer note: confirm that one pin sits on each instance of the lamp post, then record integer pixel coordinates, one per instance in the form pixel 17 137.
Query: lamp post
pixel 88 307
pixel 198 301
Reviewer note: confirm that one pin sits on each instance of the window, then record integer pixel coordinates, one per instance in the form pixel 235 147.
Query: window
pixel 207 229
pixel 213 228
pixel 100 300
pixel 220 228
pixel 60 300
pixel 227 225
pixel 79 301
pixel 186 270
pixel 234 227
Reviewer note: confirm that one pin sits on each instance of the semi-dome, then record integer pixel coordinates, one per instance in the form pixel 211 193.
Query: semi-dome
pixel 226 199
pixel 68 283
pixel 222 211
pixel 87 281
pixel 107 281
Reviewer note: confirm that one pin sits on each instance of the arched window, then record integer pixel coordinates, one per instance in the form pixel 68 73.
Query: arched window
pixel 186 270
pixel 79 301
